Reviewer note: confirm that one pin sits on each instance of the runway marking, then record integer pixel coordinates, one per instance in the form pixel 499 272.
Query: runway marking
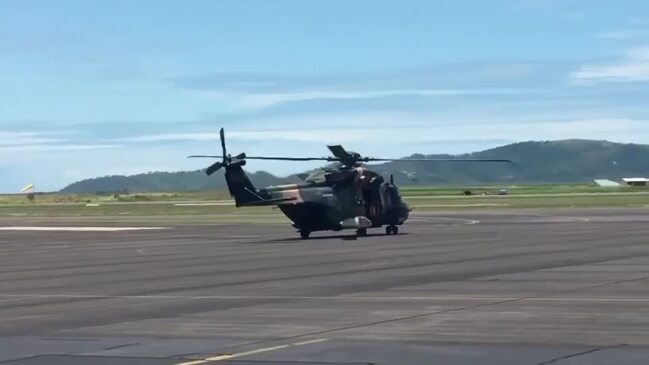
pixel 58 246
pixel 251 352
pixel 78 229
pixel 431 219
pixel 339 298
pixel 574 219
pixel 21 318
pixel 460 205
pixel 465 221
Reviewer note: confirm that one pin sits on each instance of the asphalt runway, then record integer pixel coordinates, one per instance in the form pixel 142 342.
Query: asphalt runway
pixel 562 286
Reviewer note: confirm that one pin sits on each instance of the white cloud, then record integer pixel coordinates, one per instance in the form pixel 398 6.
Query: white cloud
pixel 635 67
pixel 264 100
pixel 23 138
pixel 55 147
pixel 166 137
pixel 52 171
pixel 371 134
pixel 405 128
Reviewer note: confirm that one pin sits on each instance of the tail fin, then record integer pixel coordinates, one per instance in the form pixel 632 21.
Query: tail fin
pixel 240 186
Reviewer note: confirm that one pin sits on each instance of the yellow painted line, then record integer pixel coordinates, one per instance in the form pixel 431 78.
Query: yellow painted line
pixel 204 204
pixel 459 205
pixel 251 352
pixel 78 229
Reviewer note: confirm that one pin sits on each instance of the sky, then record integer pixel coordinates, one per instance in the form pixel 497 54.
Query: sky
pixel 94 88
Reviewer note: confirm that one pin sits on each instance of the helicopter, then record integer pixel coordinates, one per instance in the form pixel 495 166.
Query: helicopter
pixel 344 194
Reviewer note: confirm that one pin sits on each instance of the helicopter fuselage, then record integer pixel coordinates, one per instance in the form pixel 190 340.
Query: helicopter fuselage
pixel 313 207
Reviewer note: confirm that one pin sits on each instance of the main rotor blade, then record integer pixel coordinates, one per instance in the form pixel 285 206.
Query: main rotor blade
pixel 370 159
pixel 291 158
pixel 222 136
pixel 278 158
pixel 338 151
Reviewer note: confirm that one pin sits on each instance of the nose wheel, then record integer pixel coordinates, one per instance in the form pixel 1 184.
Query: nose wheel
pixel 361 232
pixel 304 234
pixel 391 230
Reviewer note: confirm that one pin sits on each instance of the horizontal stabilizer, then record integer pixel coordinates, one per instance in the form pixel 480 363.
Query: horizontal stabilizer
pixel 264 202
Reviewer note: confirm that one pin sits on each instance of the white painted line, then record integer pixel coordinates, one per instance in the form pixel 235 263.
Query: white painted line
pixel 251 352
pixel 570 218
pixel 92 205
pixel 78 229
pixel 465 221
pixel 431 219
pixel 335 298
pixel 317 340
pixel 22 318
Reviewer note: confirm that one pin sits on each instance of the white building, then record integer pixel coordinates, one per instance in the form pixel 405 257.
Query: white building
pixel 636 181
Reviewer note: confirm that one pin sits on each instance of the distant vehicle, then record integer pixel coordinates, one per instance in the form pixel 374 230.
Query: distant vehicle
pixel 503 192
pixel 410 175
pixel 342 195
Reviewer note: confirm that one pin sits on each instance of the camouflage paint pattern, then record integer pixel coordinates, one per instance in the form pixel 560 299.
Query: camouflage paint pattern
pixel 323 203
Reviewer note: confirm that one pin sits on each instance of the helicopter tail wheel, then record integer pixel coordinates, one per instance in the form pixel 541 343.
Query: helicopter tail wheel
pixel 361 232
pixel 304 234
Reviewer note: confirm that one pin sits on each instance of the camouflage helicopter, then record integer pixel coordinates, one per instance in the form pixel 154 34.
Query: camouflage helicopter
pixel 344 194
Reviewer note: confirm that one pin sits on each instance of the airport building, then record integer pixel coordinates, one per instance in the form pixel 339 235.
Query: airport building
pixel 636 181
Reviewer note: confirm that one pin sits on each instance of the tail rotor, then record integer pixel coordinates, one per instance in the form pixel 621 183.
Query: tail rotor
pixel 226 158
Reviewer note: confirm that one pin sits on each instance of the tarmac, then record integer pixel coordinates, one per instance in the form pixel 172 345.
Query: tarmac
pixel 559 286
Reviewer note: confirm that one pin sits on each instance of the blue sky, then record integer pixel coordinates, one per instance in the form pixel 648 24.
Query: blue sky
pixel 121 87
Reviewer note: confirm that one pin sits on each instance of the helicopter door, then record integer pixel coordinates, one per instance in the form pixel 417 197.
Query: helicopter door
pixel 372 199
pixel 372 204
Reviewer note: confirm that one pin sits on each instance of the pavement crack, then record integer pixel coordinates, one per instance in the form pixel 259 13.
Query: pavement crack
pixel 403 318
pixel 565 357
pixel 616 282
pixel 121 346
pixel 463 308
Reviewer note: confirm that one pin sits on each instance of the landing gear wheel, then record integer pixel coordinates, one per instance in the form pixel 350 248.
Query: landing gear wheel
pixel 361 232
pixel 388 230
pixel 395 230
pixel 304 234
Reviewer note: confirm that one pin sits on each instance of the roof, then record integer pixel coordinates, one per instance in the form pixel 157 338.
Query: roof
pixel 606 183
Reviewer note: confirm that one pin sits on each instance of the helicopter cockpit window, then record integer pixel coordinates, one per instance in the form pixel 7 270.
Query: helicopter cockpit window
pixel 319 175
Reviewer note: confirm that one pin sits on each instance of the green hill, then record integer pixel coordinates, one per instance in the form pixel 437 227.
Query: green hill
pixel 166 181
pixel 567 161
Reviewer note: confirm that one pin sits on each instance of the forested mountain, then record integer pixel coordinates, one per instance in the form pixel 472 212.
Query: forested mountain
pixel 534 162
